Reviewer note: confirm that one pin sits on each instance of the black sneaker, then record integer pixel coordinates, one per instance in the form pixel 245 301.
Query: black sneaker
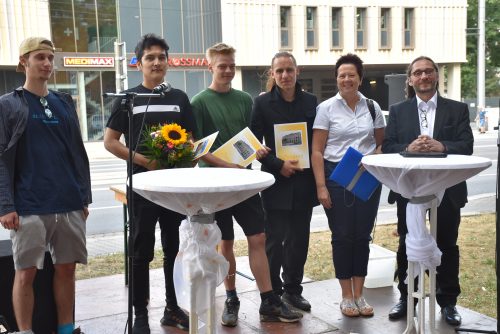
pixel 296 300
pixel 175 318
pixel 277 312
pixel 141 324
pixel 230 313
pixel 77 331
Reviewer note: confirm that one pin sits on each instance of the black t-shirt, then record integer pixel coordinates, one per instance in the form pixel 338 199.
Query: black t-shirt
pixel 45 178
pixel 174 107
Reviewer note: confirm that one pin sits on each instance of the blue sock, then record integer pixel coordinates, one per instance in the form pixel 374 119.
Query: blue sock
pixel 231 293
pixel 65 329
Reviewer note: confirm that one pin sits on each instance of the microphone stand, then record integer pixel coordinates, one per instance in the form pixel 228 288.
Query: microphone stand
pixel 127 105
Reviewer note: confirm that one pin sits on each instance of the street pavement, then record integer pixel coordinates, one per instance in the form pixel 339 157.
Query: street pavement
pixel 102 244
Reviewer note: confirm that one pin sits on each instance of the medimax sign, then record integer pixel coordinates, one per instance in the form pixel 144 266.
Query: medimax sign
pixel 179 62
pixel 89 61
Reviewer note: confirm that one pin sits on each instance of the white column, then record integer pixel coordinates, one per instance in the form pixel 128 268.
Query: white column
pixel 82 104
pixel 454 85
pixel 237 82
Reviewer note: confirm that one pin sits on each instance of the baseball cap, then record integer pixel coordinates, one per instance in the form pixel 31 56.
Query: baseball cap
pixel 31 44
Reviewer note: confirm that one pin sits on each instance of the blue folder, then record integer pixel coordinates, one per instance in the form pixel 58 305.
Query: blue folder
pixel 351 174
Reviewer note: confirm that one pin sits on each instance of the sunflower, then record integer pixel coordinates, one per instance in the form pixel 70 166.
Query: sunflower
pixel 174 134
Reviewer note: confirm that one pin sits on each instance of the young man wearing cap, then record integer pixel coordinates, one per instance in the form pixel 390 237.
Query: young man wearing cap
pixel 227 110
pixel 44 184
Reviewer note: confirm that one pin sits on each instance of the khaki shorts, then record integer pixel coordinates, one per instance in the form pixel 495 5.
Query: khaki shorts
pixel 63 234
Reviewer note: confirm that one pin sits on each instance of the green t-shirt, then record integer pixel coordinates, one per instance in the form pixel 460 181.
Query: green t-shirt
pixel 228 113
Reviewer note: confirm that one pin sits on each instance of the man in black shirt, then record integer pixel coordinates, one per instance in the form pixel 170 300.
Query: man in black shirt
pixel 174 107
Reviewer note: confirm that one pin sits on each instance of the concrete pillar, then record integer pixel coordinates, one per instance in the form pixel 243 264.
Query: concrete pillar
pixel 237 82
pixel 454 84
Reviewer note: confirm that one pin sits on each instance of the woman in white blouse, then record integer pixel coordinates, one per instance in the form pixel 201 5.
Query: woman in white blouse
pixel 342 121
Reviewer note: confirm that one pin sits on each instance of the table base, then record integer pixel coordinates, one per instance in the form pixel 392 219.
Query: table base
pixel 416 323
pixel 201 279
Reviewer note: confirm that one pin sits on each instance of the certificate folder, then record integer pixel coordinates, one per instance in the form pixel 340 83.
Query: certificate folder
pixel 351 174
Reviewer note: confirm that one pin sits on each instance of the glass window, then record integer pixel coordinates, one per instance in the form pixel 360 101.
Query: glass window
pixel 172 20
pixel 337 28
pixel 191 15
pixel 86 26
pixel 311 27
pixel 62 24
pixel 286 27
pixel 130 26
pixel 151 17
pixel 106 15
pixel 306 84
pixel 408 41
pixel 212 25
pixel 361 28
pixel 195 82
pixel 385 28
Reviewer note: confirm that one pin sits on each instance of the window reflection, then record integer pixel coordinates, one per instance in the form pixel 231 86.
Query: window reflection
pixel 63 33
pixel 76 28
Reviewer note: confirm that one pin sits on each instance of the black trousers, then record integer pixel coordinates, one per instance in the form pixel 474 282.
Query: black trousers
pixel 146 215
pixel 448 222
pixel 287 243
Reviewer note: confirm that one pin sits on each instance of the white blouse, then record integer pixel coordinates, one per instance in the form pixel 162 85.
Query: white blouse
pixel 347 128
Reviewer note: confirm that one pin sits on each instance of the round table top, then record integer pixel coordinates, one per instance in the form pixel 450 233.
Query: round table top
pixel 452 161
pixel 193 191
pixel 201 180
pixel 416 177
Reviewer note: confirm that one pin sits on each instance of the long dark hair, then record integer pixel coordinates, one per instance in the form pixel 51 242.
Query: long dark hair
pixel 410 92
pixel 270 80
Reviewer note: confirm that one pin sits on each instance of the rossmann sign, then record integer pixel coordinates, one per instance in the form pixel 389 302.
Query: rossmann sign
pixel 179 62
pixel 89 61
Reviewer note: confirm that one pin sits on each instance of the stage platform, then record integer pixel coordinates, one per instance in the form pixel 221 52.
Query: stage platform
pixel 101 308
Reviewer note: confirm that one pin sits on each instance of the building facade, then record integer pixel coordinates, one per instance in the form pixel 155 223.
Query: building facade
pixel 386 34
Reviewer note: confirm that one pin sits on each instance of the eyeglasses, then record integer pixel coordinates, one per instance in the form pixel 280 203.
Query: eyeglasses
pixel 423 118
pixel 45 105
pixel 429 72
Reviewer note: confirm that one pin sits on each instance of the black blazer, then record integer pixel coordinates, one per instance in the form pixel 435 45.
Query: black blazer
pixel 451 128
pixel 298 191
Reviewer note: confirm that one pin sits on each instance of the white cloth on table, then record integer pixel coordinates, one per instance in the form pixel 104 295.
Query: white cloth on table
pixel 198 193
pixel 421 247
pixel 198 267
pixel 193 191
pixel 415 178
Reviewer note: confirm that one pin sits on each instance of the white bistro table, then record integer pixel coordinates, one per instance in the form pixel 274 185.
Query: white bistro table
pixel 423 181
pixel 198 193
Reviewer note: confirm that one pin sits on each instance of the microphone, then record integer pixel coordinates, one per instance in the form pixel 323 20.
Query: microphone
pixel 162 88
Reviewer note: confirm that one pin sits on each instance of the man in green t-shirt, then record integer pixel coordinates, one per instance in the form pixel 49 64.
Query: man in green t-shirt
pixel 227 110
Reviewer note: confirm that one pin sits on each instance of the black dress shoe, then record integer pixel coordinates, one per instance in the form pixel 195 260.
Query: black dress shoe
pixel 297 301
pixel 451 315
pixel 398 311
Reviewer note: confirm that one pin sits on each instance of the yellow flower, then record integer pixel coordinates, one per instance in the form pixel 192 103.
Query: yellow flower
pixel 174 134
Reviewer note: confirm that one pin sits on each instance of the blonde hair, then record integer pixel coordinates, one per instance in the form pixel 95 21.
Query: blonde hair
pixel 219 49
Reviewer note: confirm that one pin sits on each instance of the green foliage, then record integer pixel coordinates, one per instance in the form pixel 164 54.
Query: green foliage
pixel 492 63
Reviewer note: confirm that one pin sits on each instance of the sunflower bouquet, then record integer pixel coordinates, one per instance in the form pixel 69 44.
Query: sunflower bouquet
pixel 169 145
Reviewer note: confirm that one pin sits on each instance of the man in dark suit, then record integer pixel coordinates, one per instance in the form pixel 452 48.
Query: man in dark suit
pixel 427 122
pixel 289 202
